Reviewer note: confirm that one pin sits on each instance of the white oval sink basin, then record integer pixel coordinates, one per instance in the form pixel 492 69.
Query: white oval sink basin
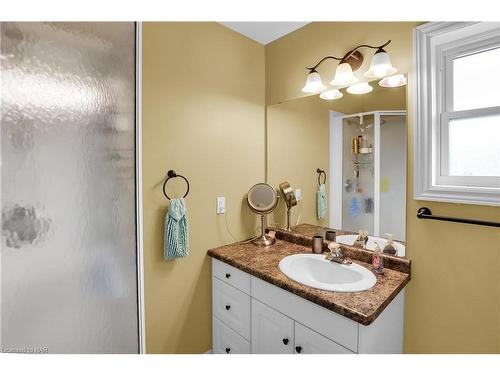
pixel 348 239
pixel 314 271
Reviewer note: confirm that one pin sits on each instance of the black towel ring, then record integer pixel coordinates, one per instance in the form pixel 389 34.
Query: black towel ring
pixel 172 174
pixel 321 173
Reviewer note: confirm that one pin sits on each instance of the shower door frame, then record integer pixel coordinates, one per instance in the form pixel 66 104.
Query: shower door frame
pixel 336 179
pixel 138 189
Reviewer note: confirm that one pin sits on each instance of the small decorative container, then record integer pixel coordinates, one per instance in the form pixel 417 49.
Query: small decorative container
pixel 330 235
pixel 317 244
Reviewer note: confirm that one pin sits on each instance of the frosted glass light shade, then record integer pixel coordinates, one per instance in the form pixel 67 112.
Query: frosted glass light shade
pixel 393 81
pixel 343 75
pixel 331 94
pixel 380 66
pixel 359 88
pixel 313 84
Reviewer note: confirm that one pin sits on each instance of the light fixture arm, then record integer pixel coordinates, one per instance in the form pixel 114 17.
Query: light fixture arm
pixel 347 55
pixel 313 69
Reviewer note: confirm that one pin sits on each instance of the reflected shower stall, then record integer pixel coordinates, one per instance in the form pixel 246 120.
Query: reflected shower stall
pixel 69 254
pixel 368 171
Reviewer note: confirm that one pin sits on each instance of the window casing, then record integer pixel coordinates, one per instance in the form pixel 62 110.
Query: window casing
pixel 452 165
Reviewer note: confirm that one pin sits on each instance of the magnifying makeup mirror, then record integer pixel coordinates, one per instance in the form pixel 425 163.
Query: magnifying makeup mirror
pixel 262 199
pixel 290 201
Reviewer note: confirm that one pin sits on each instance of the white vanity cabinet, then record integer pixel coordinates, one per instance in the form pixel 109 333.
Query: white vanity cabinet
pixel 253 316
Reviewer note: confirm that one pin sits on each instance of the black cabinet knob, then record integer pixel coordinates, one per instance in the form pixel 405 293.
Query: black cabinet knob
pixel 298 349
pixel 228 275
pixel 228 307
pixel 228 350
pixel 285 341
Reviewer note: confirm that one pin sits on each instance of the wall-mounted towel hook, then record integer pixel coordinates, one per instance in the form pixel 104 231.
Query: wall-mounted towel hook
pixel 321 173
pixel 171 174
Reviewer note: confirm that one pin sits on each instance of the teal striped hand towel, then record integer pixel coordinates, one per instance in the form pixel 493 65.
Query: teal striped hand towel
pixel 176 240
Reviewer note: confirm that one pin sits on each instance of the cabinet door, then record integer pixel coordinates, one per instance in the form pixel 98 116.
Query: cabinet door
pixel 309 342
pixel 272 332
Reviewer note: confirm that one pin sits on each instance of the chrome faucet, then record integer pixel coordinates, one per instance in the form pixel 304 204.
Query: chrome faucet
pixel 336 254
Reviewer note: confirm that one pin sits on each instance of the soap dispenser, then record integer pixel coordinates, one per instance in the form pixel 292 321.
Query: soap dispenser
pixel 389 247
pixel 377 261
pixel 362 239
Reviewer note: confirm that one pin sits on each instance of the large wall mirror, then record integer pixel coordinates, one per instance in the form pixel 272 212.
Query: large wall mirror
pixel 360 141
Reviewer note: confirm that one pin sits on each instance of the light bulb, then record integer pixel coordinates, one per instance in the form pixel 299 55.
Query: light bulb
pixel 313 84
pixel 343 75
pixel 393 81
pixel 331 94
pixel 380 65
pixel 359 88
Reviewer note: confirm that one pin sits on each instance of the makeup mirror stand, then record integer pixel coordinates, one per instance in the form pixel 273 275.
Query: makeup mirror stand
pixel 263 240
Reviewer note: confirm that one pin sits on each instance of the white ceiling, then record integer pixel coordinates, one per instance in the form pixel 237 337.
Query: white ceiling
pixel 264 32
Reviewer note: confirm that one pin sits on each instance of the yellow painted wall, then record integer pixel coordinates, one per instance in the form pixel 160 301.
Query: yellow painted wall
pixel 453 299
pixel 203 116
pixel 297 144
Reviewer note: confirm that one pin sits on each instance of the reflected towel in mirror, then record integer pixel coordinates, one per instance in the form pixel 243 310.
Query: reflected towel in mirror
pixel 321 201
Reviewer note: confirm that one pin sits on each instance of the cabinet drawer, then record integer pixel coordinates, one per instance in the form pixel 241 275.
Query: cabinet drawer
pixel 231 275
pixel 309 342
pixel 226 341
pixel 231 306
pixel 272 332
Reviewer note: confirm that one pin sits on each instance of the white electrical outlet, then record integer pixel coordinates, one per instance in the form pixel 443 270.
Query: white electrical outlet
pixel 220 207
pixel 298 194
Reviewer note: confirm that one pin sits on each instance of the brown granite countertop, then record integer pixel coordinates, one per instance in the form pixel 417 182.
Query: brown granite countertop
pixel 363 307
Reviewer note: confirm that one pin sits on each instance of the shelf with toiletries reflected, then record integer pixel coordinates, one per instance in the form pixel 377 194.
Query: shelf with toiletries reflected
pixel 360 141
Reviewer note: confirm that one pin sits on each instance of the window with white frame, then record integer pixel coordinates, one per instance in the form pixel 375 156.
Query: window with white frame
pixel 457 112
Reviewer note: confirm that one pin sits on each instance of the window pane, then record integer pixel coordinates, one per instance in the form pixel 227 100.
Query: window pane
pixel 476 82
pixel 474 146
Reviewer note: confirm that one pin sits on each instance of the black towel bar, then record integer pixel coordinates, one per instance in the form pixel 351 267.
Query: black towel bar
pixel 425 213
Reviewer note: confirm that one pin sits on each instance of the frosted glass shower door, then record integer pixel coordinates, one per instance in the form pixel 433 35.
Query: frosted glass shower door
pixel 68 250
pixel 393 174
pixel 357 176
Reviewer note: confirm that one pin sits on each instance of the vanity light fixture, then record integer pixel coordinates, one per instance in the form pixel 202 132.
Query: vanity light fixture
pixel 313 84
pixel 360 88
pixel 380 67
pixel 331 94
pixel 393 81
pixel 343 75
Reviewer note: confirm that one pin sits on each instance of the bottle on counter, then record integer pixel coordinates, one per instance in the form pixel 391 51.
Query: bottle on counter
pixel 362 239
pixel 377 261
pixel 389 247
